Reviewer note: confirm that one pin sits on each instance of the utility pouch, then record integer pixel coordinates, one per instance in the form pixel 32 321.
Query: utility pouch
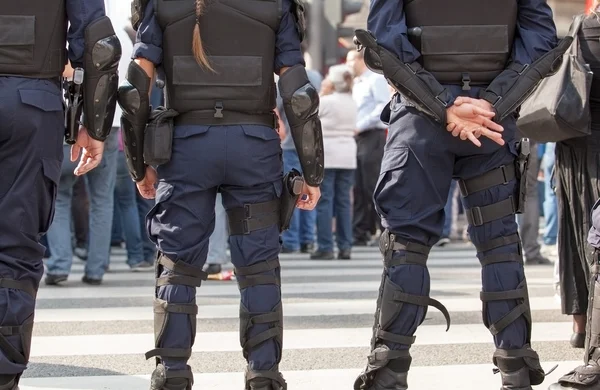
pixel 158 137
pixel 292 188
pixel 524 150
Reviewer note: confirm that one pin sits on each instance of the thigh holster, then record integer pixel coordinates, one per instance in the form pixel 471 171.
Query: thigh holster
pixel 480 215
pixel 24 331
pixel 261 273
pixel 389 304
pixel 251 217
pixel 180 273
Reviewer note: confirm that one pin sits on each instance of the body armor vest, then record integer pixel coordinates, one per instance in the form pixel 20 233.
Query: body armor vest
pixel 467 42
pixel 238 37
pixel 33 38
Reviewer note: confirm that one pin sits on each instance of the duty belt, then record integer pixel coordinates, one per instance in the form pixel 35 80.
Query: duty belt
pixel 209 118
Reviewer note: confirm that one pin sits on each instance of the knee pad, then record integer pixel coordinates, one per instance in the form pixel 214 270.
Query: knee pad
pixel 251 217
pixel 182 274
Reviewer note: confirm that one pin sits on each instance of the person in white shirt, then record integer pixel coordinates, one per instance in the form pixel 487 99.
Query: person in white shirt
pixel 338 113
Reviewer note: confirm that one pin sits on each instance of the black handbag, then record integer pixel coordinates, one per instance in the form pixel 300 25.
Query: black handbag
pixel 559 107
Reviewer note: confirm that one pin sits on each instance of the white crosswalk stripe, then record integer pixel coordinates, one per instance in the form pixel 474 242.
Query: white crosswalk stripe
pixel 93 338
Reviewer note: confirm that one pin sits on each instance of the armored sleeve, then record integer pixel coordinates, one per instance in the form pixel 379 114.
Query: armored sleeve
pixel 301 106
pixel 134 99
pixel 101 57
pixel 535 55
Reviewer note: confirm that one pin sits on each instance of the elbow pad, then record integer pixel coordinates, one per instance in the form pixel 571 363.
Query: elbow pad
pixel 102 53
pixel 515 84
pixel 301 106
pixel 410 80
pixel 133 96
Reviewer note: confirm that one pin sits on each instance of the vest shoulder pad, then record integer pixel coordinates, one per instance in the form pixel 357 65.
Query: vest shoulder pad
pixel 298 10
pixel 138 8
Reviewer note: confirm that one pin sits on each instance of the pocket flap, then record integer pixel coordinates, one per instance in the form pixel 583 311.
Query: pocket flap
pixel 188 131
pixel 394 159
pixel 17 30
pixel 43 100
pixel 52 169
pixel 261 132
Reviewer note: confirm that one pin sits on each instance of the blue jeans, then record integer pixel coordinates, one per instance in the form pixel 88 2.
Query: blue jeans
pixel 302 225
pixel 100 184
pixel 335 201
pixel 217 243
pixel 126 218
pixel 448 211
pixel 550 205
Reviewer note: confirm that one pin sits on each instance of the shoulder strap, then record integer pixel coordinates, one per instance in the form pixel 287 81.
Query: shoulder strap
pixel 576 25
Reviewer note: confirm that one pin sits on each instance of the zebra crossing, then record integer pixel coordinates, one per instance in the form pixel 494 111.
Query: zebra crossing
pixel 92 338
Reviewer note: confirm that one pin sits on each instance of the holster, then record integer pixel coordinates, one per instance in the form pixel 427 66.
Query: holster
pixel 158 137
pixel 292 188
pixel 524 150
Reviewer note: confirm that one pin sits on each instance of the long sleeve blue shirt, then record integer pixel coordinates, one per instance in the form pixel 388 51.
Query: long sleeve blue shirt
pixel 80 15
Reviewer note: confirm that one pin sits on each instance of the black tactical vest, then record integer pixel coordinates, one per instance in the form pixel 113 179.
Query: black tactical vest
pixel 239 39
pixel 462 41
pixel 33 38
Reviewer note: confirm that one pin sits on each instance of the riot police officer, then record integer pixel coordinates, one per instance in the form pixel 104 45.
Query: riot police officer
pixel 33 56
pixel 217 133
pixel 460 71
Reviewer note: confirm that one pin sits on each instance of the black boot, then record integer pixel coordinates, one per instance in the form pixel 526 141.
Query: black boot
pixel 159 380
pixel 386 379
pixel 519 368
pixel 582 378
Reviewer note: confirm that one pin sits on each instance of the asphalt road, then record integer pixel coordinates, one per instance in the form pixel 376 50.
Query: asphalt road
pixel 92 338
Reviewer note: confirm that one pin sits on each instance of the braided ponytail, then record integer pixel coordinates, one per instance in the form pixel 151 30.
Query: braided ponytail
pixel 197 48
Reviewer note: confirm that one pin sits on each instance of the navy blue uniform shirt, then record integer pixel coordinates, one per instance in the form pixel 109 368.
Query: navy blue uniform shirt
pixel 80 15
pixel 535 35
pixel 287 45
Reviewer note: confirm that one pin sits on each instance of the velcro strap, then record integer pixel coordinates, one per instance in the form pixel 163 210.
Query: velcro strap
pixel 252 374
pixel 478 216
pixel 22 285
pixel 421 300
pixel 261 338
pixel 258 268
pixel 11 352
pixel 498 242
pixel 519 293
pixel 406 258
pixel 172 353
pixel 161 306
pixel 16 330
pixel 401 244
pixel 187 374
pixel 509 318
pixel 251 217
pixel 524 352
pixel 379 356
pixel 395 338
pixel 178 279
pixel 182 268
pixel 257 280
pixel 501 258
pixel 493 178
pixel 265 318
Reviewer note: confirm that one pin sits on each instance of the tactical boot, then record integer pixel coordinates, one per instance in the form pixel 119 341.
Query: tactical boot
pixel 159 381
pixel 260 384
pixel 581 378
pixel 386 379
pixel 516 380
pixel 8 382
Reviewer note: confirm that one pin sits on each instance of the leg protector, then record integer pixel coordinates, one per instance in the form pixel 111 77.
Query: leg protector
pixel 173 273
pixel 588 376
pixel 386 364
pixel 250 276
pixel 251 217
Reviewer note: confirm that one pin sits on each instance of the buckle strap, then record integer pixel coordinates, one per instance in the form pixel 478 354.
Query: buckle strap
pixel 178 279
pixel 272 374
pixel 503 295
pixel 407 258
pixel 22 285
pixel 498 242
pixel 257 280
pixel 395 338
pixel 389 354
pixel 172 353
pixel 261 338
pixel 478 216
pixel 501 258
pixel 400 244
pixel 262 318
pixel 251 217
pixel 421 300
pixel 499 176
pixel 187 374
pixel 182 268
pixel 161 306
pixel 258 268
pixel 520 293
pixel 16 330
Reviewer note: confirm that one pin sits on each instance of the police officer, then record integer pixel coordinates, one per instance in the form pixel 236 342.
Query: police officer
pixel 460 74
pixel 33 56
pixel 218 134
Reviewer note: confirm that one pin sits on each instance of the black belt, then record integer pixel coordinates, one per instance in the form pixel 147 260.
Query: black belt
pixel 208 118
